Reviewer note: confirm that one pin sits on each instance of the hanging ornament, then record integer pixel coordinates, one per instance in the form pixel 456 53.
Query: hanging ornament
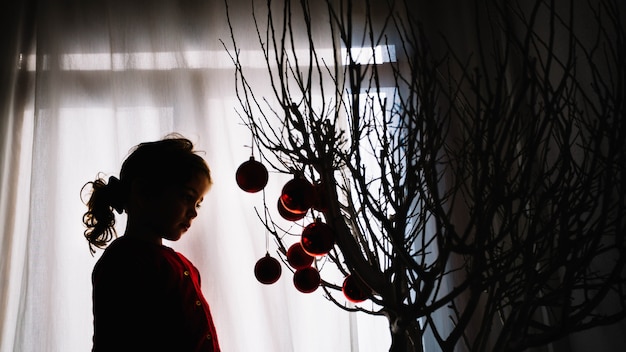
pixel 297 195
pixel 251 176
pixel 320 198
pixel 298 258
pixel 267 270
pixel 307 280
pixel 288 215
pixel 317 238
pixel 354 289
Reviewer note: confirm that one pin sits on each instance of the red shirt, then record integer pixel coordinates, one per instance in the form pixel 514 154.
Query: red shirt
pixel 147 297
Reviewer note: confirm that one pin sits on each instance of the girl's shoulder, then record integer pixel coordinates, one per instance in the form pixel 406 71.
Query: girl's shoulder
pixel 125 253
pixel 126 246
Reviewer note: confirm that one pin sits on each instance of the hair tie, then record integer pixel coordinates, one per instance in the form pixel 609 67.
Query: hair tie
pixel 115 194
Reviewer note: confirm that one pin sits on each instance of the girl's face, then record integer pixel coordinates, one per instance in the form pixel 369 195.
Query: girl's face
pixel 173 210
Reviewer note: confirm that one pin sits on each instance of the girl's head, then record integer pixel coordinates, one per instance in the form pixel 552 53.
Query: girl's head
pixel 154 179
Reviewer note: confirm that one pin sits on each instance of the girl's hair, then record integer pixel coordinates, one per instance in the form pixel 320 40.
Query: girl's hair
pixel 170 161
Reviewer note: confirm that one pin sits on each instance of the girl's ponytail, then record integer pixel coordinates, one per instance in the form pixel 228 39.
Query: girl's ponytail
pixel 99 218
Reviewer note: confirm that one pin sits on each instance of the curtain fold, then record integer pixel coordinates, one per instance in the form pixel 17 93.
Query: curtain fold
pixel 16 37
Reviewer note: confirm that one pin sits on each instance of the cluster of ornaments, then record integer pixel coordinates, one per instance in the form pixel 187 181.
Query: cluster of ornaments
pixel 297 197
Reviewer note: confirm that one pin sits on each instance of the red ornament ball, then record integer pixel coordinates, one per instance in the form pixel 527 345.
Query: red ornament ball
pixel 251 176
pixel 354 289
pixel 297 195
pixel 317 238
pixel 298 258
pixel 267 270
pixel 307 280
pixel 287 215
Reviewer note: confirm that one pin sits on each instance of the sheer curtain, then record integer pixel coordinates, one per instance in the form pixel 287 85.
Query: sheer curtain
pixel 83 82
pixel 93 79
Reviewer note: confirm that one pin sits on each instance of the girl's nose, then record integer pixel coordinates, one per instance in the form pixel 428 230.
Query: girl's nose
pixel 192 212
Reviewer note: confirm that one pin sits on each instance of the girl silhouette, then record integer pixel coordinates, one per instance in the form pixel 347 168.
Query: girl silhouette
pixel 146 296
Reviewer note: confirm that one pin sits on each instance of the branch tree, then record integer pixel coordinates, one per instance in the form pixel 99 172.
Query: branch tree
pixel 475 199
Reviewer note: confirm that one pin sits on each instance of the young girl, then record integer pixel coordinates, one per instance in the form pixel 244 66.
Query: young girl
pixel 146 296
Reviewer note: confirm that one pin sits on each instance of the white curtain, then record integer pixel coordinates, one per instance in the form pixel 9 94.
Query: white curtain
pixel 93 79
pixel 83 82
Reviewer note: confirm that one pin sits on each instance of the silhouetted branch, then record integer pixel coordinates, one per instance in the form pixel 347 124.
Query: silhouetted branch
pixel 489 185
